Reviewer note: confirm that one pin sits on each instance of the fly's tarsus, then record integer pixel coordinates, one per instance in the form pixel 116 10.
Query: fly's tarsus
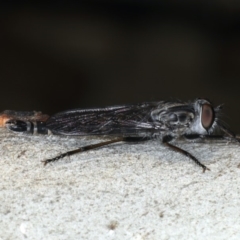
pixel 45 162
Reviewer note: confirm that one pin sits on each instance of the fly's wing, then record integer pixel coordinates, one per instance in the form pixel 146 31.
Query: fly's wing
pixel 132 120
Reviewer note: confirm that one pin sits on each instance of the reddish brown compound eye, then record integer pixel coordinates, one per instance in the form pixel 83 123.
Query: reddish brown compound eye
pixel 207 117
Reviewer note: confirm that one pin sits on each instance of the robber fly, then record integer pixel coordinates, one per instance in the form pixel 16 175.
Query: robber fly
pixel 163 120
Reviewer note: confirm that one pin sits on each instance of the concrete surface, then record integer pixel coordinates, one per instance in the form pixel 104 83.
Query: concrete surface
pixel 126 191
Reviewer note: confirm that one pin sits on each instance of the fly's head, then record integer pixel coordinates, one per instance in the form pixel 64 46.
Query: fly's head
pixel 205 119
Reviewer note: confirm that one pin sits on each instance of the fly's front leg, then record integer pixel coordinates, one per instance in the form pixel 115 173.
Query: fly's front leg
pixel 204 138
pixel 166 141
pixel 82 149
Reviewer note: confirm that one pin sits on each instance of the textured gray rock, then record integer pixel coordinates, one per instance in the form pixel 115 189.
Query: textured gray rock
pixel 126 191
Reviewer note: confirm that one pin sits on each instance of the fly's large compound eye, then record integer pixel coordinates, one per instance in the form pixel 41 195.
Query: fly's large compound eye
pixel 207 116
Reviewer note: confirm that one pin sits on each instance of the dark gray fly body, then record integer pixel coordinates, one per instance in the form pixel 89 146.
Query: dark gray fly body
pixel 167 121
pixel 147 119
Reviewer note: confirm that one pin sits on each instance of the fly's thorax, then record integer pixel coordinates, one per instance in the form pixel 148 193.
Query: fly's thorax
pixel 173 118
pixel 181 118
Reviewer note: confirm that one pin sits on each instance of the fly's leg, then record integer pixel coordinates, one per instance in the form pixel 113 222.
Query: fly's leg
pixel 204 138
pixel 177 149
pixel 230 136
pixel 93 146
pixel 227 136
pixel 166 140
pixel 82 149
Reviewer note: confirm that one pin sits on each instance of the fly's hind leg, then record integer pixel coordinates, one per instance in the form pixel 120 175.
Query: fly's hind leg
pixel 94 146
pixel 82 149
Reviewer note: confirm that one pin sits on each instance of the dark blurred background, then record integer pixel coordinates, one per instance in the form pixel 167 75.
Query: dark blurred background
pixel 81 54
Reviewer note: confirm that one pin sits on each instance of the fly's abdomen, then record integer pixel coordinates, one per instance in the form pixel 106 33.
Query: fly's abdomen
pixel 29 127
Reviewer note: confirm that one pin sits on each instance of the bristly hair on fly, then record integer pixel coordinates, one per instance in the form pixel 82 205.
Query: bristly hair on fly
pixel 218 121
